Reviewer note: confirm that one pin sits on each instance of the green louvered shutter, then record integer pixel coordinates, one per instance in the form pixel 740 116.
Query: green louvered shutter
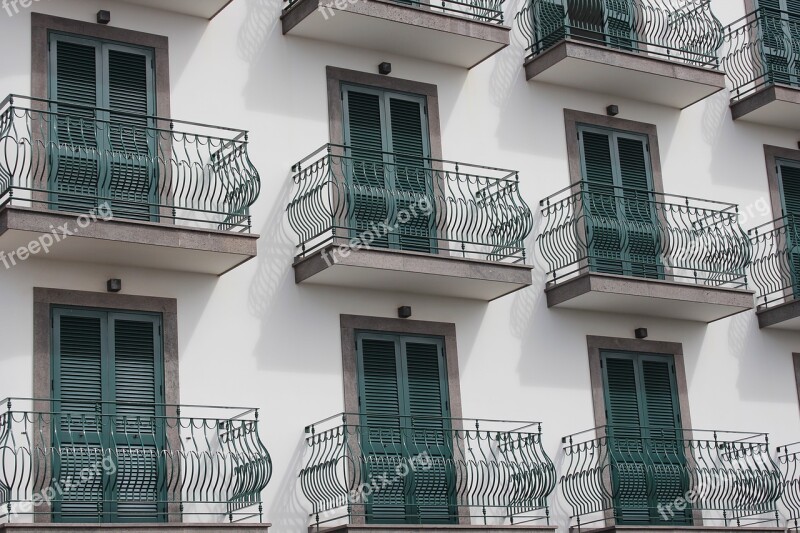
pixel 548 21
pixel 108 393
pixel 666 454
pixel 781 40
pixel 130 157
pixel 641 243
pixel 403 401
pixel 603 231
pixel 411 171
pixel 138 491
pixel 368 198
pixel 79 341
pixel 644 429
pixel 74 150
pixel 434 488
pixel 789 172
pixel 619 23
pixel 380 403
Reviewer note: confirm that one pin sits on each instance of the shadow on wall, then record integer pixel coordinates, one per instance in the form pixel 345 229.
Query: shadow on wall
pixel 290 508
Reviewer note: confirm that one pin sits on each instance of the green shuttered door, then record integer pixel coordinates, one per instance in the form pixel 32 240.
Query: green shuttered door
pixel 108 152
pixel 781 40
pixel 621 226
pixel 789 177
pixel 387 166
pixel 108 393
pixel 403 401
pixel 645 450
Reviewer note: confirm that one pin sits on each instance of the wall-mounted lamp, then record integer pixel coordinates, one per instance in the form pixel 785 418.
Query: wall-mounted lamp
pixel 114 285
pixel 640 333
pixel 404 311
pixel 385 68
pixel 612 110
pixel 103 16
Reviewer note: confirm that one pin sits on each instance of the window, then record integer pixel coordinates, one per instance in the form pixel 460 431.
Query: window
pixel 780 25
pixel 102 136
pixel 789 182
pixel 405 412
pixel 644 436
pixel 619 201
pixel 108 403
pixel 387 165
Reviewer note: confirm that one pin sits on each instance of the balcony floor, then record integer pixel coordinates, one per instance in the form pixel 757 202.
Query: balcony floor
pixel 128 243
pixel 645 297
pixel 367 528
pixel 678 529
pixel 173 527
pixel 392 270
pixel 782 316
pixel 772 106
pixel 627 74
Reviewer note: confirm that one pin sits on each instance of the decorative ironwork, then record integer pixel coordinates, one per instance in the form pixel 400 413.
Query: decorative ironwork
pixel 489 11
pixel 776 258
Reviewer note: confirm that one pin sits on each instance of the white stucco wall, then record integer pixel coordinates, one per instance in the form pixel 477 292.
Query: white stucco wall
pixel 253 337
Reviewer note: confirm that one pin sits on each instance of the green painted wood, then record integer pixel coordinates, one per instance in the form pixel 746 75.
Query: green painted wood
pixel 405 412
pixel 108 388
pixel 780 27
pixel 789 180
pixel 644 437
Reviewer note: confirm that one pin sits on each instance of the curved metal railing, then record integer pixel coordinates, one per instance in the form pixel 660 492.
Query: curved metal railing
pixel 488 11
pixel 776 260
pixel 679 30
pixel 665 475
pixel 762 49
pixel 789 460
pixel 63 156
pixel 635 232
pixel 422 469
pixel 405 202
pixel 109 461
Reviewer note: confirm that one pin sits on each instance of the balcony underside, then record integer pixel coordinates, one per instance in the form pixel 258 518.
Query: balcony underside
pixel 206 9
pixel 391 270
pixel 783 316
pixel 625 74
pixel 175 527
pixel 127 243
pixel 645 297
pixel 390 27
pixel 772 106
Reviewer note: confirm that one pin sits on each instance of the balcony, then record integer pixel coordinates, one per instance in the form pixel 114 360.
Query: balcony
pixel 463 33
pixel 762 59
pixel 774 271
pixel 400 471
pixel 621 250
pixel 206 9
pixel 618 477
pixel 442 228
pixel 658 51
pixel 84 464
pixel 128 190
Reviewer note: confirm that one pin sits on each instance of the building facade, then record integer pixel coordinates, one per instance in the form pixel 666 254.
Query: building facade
pixel 389 266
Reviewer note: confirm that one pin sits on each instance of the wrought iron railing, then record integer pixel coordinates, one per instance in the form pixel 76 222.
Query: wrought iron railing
pixel 488 11
pixel 63 156
pixel 686 31
pixel 776 261
pixel 393 200
pixel 398 469
pixel 665 476
pixel 762 49
pixel 118 461
pixel 633 232
pixel 789 460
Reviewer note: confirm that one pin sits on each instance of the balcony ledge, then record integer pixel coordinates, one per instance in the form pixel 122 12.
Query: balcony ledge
pixel 646 297
pixel 677 529
pixel 128 243
pixel 412 272
pixel 783 316
pixel 600 69
pixel 175 527
pixel 408 30
pixel 775 105
pixel 207 9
